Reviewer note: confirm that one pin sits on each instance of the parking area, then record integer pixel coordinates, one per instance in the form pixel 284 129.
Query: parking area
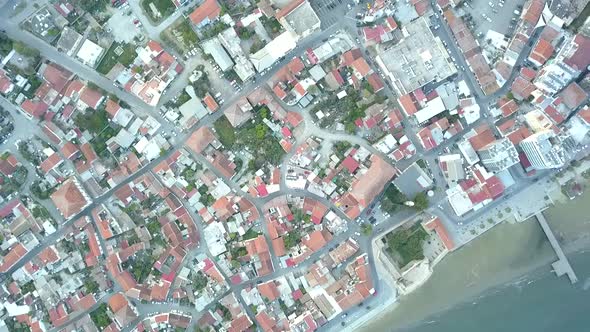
pixel 496 15
pixel 330 11
pixel 123 25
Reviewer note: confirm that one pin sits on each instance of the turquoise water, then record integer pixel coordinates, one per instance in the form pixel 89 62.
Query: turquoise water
pixel 539 302
pixel 503 282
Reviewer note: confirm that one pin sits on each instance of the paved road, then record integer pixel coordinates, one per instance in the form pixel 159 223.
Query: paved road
pixel 364 241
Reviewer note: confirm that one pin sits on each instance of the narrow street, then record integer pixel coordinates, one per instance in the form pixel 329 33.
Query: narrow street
pixel 330 25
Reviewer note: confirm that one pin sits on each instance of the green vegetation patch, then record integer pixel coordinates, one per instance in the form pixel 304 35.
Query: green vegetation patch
pixel 180 36
pixel 250 234
pixel 5 44
pixel 164 7
pixel 118 53
pixel 91 6
pixel 393 199
pixel 225 131
pixel 406 244
pixel 100 317
pixel 579 21
pixel 94 122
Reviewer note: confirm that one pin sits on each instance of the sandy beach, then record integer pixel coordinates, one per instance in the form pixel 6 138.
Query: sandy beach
pixel 506 255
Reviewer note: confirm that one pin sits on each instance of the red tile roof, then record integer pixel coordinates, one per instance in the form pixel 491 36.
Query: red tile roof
pixel 5 83
pixel 361 66
pixel 366 187
pixel 91 97
pixel 112 107
pixel 296 66
pixel 269 290
pixel 542 51
pixel 56 76
pixel 580 60
pixel 350 164
pixel 68 199
pixel 289 8
pixel 209 9
pixel 407 104
pixel 200 139
pixel 482 139
pixel 376 82
pixel 117 302
pixel 34 108
pixel 436 225
pixel 279 92
pixel 350 56
pixel 518 135
pixel 69 150
pixel 88 152
pixel 210 102
pixel 573 95
pixel 528 73
pixel 51 162
pixel 507 106
pixel 12 257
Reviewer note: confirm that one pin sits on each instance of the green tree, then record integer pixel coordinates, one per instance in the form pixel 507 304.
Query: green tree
pixel 261 130
pixel 91 285
pixel 23 49
pixel 95 122
pixel 407 244
pixel 367 229
pixel 199 281
pixel 393 199
pixel 421 201
pixel 5 44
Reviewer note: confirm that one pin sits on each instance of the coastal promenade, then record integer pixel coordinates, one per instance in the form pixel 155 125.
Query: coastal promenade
pixel 562 266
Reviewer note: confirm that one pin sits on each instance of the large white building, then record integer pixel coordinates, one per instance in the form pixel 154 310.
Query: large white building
pixel 498 155
pixel 544 150
pixel 299 18
pixel 231 42
pixel 273 51
pixel 89 53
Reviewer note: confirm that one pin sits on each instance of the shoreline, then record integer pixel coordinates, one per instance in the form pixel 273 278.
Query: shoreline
pixel 511 279
pixel 572 244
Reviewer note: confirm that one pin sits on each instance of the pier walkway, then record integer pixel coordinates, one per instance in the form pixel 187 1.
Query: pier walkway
pixel 562 266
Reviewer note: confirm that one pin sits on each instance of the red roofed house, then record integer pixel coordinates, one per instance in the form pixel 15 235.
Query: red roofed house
pixel 200 139
pixel 376 82
pixel 573 96
pixel 70 198
pixel 14 255
pixel 206 13
pixel 51 162
pixel 90 98
pixel 8 164
pixel 436 225
pixel 34 109
pixel 407 103
pixel 210 102
pixel 350 56
pixel 70 150
pixel 112 107
pixel 6 85
pixel 366 187
pixel 542 51
pixel 579 52
pixel 361 68
pixel 89 153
